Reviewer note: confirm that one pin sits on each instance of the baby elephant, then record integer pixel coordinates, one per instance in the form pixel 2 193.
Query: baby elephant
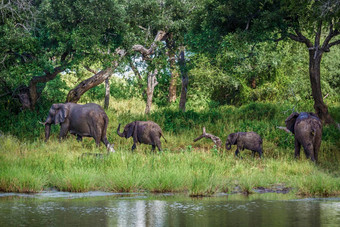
pixel 245 140
pixel 147 132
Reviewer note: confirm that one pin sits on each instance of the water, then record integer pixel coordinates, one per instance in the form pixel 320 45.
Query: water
pixel 112 209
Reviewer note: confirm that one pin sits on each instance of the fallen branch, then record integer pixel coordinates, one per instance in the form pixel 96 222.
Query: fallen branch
pixel 214 138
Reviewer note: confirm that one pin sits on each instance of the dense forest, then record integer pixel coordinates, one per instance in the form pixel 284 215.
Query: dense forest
pixel 229 66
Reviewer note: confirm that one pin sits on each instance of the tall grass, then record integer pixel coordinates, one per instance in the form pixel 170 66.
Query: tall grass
pixel 27 164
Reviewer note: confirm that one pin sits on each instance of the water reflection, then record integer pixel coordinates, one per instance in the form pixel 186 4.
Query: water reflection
pixel 137 210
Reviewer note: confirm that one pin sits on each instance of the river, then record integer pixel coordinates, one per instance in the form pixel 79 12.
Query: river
pixel 115 209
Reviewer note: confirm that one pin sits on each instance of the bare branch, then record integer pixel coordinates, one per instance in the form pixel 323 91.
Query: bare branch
pixel 217 141
pixel 300 38
pixel 326 96
pixel 333 44
pixel 141 27
pixel 146 52
pixel 75 94
pixel 332 33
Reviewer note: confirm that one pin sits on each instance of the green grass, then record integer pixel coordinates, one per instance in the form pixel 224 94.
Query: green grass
pixel 27 164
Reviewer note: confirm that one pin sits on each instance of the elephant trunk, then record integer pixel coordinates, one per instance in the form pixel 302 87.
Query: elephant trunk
pixel 228 146
pixel 119 134
pixel 47 131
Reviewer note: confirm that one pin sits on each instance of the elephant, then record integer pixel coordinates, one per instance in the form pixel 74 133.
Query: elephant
pixel 89 120
pixel 245 140
pixel 147 132
pixel 307 130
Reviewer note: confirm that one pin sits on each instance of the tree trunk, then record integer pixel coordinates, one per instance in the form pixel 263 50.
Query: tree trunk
pixel 107 93
pixel 75 94
pixel 152 83
pixel 173 69
pixel 152 80
pixel 185 81
pixel 320 107
pixel 32 88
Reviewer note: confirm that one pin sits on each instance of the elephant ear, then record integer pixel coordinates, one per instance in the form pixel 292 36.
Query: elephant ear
pixel 290 121
pixel 131 129
pixel 313 114
pixel 61 114
pixel 233 139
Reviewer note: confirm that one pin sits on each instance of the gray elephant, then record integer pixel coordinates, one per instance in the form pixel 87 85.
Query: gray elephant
pixel 147 132
pixel 307 130
pixel 245 140
pixel 89 120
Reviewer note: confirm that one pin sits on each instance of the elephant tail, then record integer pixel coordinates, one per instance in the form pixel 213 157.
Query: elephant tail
pixel 163 137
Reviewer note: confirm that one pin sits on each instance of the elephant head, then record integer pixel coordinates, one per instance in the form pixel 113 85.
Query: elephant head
pixel 128 130
pixel 57 114
pixel 232 140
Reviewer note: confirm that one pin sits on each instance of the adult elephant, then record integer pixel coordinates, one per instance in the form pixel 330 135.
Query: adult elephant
pixel 307 129
pixel 89 120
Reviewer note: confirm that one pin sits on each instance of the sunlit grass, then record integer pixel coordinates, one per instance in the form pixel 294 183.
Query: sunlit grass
pixel 64 167
pixel 197 169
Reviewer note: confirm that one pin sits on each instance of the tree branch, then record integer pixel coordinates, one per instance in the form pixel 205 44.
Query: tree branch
pixel 333 44
pixel 217 141
pixel 332 33
pixel 146 52
pixel 75 94
pixel 300 38
pixel 318 34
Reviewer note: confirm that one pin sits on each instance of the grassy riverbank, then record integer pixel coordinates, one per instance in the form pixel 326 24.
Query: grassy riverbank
pixel 27 164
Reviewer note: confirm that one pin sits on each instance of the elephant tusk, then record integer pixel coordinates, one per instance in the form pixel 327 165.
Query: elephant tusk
pixel 43 123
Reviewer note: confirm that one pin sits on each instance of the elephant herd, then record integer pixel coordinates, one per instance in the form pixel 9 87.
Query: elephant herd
pixel 90 120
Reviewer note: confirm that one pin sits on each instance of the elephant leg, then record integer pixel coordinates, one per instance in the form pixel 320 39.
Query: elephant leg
pixel 237 153
pixel 317 144
pixel 153 148
pixel 309 151
pixel 97 140
pixel 79 138
pixel 260 152
pixel 297 149
pixel 133 147
pixel 105 141
pixel 159 145
pixel 63 131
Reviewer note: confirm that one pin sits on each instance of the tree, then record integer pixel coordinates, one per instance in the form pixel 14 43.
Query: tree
pixel 314 23
pixel 152 75
pixel 72 33
pixel 185 81
pixel 317 23
pixel 75 94
pixel 170 16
